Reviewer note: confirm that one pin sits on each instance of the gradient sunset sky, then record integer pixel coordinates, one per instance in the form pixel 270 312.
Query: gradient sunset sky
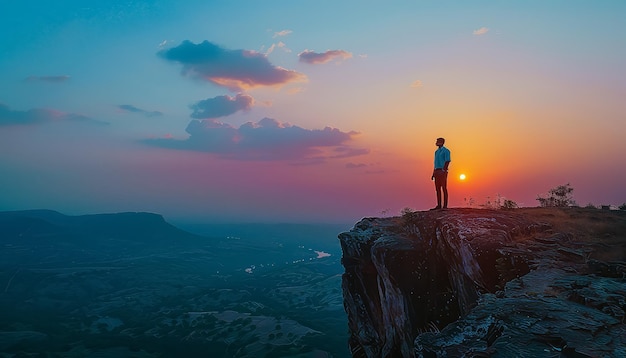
pixel 307 111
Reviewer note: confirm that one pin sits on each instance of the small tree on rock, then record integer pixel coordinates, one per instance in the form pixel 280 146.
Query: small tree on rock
pixel 560 197
pixel 508 204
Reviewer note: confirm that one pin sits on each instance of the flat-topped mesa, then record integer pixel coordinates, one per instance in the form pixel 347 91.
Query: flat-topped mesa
pixel 410 276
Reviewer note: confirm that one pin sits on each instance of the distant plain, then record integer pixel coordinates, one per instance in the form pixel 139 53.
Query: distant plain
pixel 133 285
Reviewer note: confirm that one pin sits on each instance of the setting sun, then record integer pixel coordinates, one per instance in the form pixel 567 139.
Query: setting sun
pixel 462 176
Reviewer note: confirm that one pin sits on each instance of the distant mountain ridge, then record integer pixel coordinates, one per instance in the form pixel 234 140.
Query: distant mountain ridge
pixel 28 223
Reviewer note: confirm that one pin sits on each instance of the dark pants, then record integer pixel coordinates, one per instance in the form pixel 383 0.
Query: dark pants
pixel 441 184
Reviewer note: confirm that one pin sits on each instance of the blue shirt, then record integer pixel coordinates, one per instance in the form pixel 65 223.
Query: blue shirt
pixel 442 155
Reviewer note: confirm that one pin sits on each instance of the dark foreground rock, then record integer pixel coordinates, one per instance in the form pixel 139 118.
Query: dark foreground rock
pixel 481 283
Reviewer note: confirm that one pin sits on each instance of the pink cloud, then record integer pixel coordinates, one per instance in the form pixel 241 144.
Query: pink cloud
pixel 133 109
pixel 315 58
pixel 481 31
pixel 236 70
pixel 221 106
pixel 265 140
pixel 34 116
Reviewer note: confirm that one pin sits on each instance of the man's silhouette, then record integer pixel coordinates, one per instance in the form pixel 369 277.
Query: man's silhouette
pixel 440 173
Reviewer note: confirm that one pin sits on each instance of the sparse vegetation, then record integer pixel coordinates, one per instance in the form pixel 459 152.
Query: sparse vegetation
pixel 409 216
pixel 622 207
pixel 488 204
pixel 498 203
pixel 501 203
pixel 560 197
pixel 509 204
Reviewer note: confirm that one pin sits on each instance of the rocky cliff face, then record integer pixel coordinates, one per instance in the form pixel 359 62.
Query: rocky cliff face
pixel 476 283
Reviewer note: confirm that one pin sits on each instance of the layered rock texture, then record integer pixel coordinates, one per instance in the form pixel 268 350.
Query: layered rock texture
pixel 536 282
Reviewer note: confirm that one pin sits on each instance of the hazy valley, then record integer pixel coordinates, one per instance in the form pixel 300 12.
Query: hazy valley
pixel 133 285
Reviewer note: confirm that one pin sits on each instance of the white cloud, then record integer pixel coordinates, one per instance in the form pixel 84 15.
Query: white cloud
pixel 483 30
pixel 280 45
pixel 282 33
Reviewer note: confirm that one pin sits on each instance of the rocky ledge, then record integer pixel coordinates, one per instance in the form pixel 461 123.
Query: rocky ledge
pixel 536 282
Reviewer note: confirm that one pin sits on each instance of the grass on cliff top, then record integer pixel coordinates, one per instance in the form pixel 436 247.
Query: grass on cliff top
pixel 604 227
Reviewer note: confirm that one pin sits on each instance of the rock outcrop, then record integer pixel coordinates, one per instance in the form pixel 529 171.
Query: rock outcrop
pixel 477 283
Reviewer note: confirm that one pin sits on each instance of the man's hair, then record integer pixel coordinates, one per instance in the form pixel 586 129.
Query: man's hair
pixel 441 139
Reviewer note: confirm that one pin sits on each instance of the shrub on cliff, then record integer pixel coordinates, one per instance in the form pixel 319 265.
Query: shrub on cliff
pixel 508 204
pixel 499 203
pixel 560 197
pixel 408 215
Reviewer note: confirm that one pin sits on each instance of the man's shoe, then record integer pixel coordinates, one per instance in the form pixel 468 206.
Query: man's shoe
pixel 436 208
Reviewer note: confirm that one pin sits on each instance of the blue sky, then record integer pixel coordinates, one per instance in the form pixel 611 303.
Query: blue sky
pixel 307 111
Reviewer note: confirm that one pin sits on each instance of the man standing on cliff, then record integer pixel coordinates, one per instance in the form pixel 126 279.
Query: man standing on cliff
pixel 440 173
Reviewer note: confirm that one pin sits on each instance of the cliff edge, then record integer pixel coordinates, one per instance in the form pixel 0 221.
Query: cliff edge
pixel 535 282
